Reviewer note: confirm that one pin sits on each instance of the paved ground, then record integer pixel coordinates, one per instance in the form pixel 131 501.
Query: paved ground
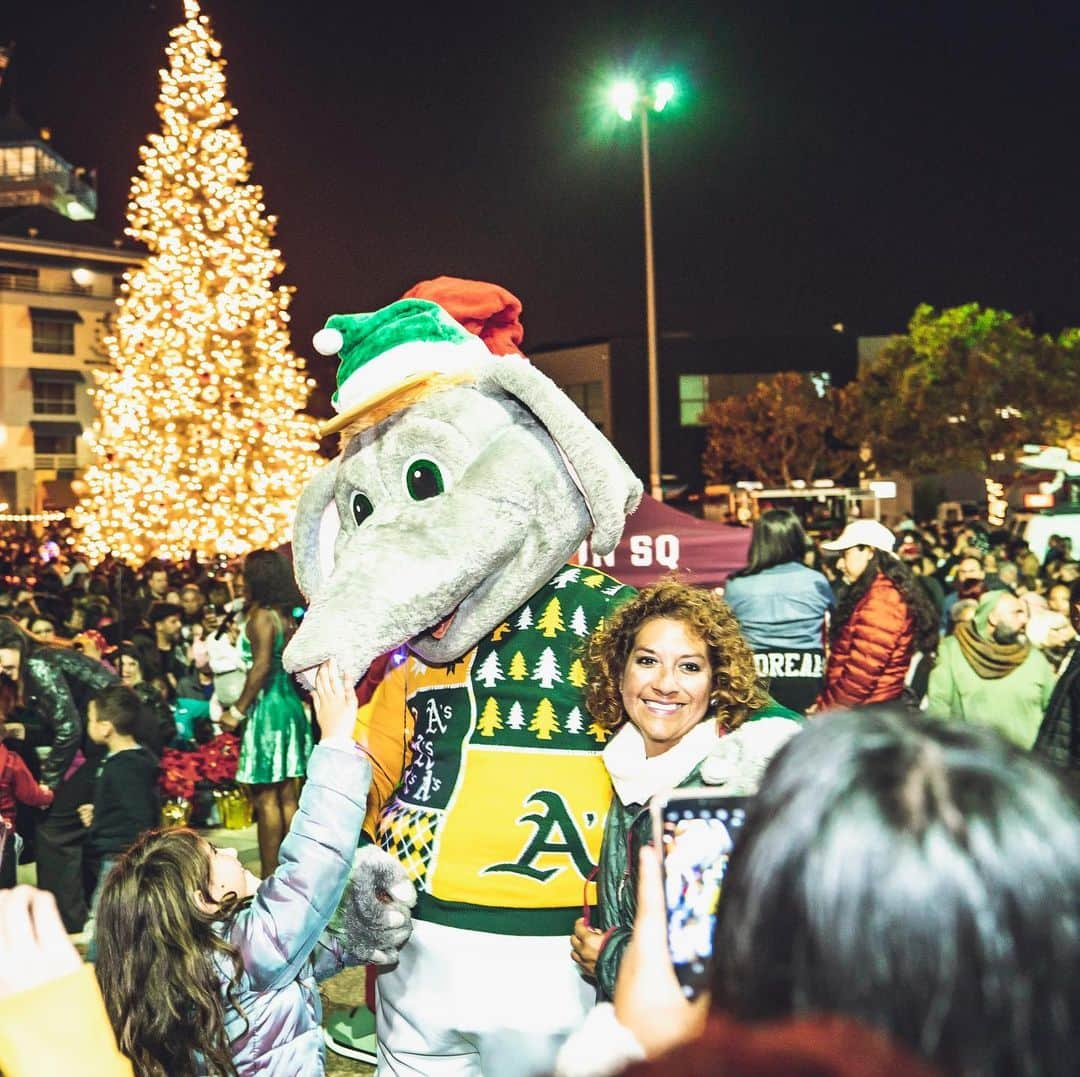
pixel 344 990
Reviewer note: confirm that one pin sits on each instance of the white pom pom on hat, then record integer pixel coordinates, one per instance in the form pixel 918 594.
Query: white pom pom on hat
pixel 328 341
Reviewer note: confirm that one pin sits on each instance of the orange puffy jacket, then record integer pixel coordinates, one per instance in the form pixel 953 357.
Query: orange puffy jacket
pixel 872 650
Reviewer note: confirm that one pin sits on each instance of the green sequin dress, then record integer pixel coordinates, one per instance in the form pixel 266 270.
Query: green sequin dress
pixel 277 738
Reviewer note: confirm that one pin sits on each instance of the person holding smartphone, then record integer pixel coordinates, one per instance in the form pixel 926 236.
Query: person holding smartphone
pixel 916 877
pixel 671 675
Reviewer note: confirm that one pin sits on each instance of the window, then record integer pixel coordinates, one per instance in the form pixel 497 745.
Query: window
pixel 56 338
pixel 18 161
pixel 589 396
pixel 54 397
pixel 54 444
pixel 54 330
pixel 697 391
pixel 693 398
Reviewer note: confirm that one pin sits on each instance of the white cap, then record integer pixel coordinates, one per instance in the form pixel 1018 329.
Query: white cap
pixel 863 533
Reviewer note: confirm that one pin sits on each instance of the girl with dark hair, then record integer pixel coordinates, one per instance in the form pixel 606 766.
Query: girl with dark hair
pixel 205 969
pixel 781 606
pixel 671 673
pixel 883 618
pixel 56 683
pixel 276 739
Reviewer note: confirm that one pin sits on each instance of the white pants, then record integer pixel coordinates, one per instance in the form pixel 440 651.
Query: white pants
pixel 471 1003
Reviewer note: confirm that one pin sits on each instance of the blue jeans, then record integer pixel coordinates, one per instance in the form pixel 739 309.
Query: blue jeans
pixel 91 920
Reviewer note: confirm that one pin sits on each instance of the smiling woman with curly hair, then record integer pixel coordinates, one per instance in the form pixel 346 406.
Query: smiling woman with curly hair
pixel 671 675
pixel 735 688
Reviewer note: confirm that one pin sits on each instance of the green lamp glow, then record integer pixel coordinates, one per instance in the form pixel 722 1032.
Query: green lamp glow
pixel 663 93
pixel 624 96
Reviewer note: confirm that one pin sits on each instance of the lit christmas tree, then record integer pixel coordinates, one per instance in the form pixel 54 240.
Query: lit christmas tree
pixel 200 439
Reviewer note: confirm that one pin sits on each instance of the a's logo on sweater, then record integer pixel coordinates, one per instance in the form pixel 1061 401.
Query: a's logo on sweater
pixel 556 835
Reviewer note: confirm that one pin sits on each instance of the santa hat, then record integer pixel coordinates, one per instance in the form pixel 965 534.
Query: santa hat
pixel 393 357
pixel 488 310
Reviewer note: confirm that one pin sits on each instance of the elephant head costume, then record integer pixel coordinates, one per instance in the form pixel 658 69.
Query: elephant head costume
pixel 466 480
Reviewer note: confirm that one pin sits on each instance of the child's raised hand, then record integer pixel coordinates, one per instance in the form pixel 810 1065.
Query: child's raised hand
pixel 86 814
pixel 335 701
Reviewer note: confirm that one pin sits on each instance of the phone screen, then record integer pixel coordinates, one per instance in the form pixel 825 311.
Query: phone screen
pixel 698 835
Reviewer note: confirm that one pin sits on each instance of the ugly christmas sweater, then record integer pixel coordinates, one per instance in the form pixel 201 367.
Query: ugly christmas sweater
pixel 489 787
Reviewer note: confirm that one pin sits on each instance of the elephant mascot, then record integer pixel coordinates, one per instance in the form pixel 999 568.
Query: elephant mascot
pixel 465 482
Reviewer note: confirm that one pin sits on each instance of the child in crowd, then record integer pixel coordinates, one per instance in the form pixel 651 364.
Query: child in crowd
pixel 17 785
pixel 206 970
pixel 125 796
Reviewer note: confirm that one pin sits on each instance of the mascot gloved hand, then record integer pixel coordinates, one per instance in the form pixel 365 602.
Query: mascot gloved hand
pixel 374 919
pixel 465 482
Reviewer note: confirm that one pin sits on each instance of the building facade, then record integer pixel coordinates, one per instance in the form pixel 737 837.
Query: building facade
pixel 608 380
pixel 59 277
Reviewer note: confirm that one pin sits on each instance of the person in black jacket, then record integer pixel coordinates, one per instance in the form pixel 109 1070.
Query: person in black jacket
pixel 1058 739
pixel 57 684
pixel 126 801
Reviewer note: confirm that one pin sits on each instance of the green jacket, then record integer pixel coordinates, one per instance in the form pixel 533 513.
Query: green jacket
pixel 1013 705
pixel 628 828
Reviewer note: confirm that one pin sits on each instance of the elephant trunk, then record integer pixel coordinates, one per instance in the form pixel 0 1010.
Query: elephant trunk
pixel 394 582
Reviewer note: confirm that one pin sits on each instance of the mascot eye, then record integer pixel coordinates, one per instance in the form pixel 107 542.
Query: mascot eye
pixel 423 479
pixel 361 507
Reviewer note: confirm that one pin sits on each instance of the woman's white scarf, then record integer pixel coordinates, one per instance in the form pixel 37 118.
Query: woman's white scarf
pixel 637 778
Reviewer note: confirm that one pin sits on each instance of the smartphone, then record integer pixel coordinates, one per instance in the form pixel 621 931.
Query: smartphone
pixel 697 831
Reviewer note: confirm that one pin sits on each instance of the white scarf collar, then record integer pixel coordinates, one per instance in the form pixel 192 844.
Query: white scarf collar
pixel 636 778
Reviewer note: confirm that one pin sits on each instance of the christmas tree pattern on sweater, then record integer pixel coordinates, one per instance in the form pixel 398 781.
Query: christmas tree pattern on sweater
pixel 471 818
pixel 540 663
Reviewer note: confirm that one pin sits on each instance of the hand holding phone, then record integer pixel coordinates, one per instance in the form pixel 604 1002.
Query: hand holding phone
pixel 696 830
pixel 649 1000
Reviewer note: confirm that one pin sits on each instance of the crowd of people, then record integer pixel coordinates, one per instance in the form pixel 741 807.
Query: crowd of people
pixel 957 620
pixel 902 705
pixel 99 660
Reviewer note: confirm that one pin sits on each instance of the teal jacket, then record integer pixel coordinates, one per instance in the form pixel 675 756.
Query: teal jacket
pixel 628 828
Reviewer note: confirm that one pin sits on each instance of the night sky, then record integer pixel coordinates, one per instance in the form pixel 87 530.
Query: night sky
pixel 828 162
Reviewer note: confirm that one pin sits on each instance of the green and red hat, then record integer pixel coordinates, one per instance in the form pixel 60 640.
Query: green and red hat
pixel 390 351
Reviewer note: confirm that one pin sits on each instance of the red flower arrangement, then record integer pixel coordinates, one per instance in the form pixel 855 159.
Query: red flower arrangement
pixel 214 762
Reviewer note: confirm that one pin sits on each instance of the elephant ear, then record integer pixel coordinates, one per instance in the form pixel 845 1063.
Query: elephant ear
pixel 315 530
pixel 611 490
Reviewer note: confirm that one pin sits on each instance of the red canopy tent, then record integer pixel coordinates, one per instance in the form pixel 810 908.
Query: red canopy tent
pixel 658 539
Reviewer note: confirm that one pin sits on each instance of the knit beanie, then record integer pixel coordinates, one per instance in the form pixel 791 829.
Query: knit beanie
pixel 987 605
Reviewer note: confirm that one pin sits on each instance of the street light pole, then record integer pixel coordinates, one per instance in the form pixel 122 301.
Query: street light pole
pixel 626 95
pixel 655 485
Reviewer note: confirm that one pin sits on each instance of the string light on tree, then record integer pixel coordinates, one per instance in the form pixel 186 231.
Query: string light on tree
pixel 200 441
